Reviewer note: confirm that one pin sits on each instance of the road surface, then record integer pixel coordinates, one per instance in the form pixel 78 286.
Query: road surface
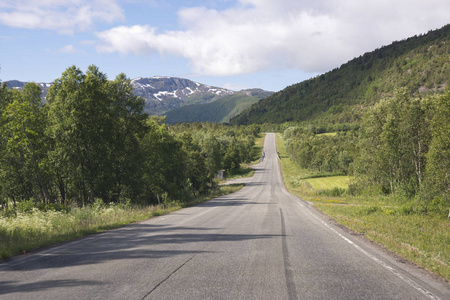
pixel 258 243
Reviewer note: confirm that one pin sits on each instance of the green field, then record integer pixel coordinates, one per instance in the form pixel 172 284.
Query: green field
pixel 305 182
pixel 326 183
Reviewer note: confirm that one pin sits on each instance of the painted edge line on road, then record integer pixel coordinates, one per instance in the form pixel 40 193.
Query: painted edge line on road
pixel 409 281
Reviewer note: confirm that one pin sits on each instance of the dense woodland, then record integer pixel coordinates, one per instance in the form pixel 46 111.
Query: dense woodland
pixel 402 148
pixel 92 140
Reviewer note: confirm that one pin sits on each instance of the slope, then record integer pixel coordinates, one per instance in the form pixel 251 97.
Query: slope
pixel 421 64
pixel 221 110
pixel 163 94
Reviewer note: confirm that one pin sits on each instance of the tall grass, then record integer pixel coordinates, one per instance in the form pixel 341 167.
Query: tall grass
pixel 26 231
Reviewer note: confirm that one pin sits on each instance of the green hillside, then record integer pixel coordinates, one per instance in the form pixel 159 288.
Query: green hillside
pixel 221 110
pixel 421 64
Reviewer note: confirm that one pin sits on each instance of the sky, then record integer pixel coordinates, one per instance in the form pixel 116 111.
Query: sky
pixel 235 44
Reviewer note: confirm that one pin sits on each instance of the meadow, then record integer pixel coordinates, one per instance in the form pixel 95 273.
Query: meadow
pixel 395 223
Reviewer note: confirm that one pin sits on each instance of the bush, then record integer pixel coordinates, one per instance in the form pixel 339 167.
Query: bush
pixel 334 192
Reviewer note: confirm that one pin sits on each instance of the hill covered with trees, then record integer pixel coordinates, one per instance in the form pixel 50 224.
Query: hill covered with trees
pixel 221 110
pixel 420 64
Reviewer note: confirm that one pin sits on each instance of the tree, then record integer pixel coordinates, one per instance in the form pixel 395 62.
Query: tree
pixel 129 122
pixel 195 165
pixel 394 141
pixel 165 166
pixel 25 168
pixel 438 157
pixel 96 126
pixel 212 153
pixel 232 157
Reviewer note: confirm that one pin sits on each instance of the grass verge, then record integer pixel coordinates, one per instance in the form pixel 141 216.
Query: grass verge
pixel 389 221
pixel 423 239
pixel 37 229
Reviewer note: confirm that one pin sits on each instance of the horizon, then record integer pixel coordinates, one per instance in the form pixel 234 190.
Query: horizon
pixel 232 44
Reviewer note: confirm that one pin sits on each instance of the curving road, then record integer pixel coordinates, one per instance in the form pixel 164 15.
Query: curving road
pixel 258 243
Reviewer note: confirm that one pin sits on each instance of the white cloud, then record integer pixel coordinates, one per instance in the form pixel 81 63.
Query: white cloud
pixel 87 42
pixel 234 86
pixel 67 49
pixel 59 15
pixel 257 35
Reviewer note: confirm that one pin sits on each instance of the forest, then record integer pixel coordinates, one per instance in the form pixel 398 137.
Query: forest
pixel 90 140
pixel 401 148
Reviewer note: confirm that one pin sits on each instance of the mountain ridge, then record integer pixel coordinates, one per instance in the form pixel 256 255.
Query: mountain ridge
pixel 221 110
pixel 161 93
pixel 420 64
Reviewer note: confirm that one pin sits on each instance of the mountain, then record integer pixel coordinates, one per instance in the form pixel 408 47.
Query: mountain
pixel 221 110
pixel 15 84
pixel 420 64
pixel 163 94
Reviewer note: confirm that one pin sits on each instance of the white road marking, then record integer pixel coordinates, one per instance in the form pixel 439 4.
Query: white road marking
pixel 409 281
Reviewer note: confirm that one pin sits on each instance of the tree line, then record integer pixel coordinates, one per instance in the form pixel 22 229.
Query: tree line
pixel 402 148
pixel 90 139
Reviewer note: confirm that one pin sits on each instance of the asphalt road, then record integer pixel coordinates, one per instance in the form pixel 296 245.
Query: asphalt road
pixel 258 243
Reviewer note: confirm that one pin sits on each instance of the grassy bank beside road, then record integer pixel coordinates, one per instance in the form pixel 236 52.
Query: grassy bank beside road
pixel 387 220
pixel 34 229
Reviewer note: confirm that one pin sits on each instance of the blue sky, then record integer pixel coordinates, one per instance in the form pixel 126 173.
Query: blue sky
pixel 235 44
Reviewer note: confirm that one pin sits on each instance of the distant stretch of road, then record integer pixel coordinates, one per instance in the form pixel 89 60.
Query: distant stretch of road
pixel 258 243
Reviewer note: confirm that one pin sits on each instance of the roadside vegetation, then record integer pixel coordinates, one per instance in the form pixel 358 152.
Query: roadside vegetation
pixel 245 170
pixel 394 182
pixel 34 227
pixel 368 143
pixel 91 143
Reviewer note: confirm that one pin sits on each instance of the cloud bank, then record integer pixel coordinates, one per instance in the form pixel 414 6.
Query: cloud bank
pixel 58 15
pixel 261 35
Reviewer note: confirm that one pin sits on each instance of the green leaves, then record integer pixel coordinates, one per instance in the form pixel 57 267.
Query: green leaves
pixel 404 147
pixel 24 172
pixel 438 157
pixel 91 140
pixel 96 126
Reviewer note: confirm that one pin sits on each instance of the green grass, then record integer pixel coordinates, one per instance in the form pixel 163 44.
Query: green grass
pixel 242 172
pixel 36 229
pixel 257 148
pixel 305 182
pixel 422 239
pixel 325 183
pixel 387 220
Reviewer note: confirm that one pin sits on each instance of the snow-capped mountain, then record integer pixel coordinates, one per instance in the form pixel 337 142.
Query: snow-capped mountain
pixel 161 94
pixel 166 93
pixel 15 84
